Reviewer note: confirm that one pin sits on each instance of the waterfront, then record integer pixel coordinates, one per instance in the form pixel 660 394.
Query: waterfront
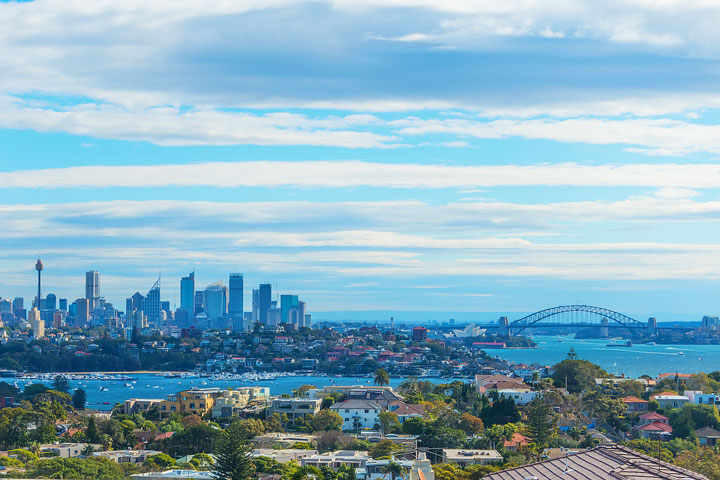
pixel 152 385
pixel 640 359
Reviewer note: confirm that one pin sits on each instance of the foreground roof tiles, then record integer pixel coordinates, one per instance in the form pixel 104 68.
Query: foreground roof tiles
pixel 606 462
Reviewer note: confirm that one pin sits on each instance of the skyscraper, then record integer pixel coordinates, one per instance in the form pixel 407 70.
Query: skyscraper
pixel 287 303
pixel 255 314
pixel 152 306
pixel 50 301
pixel 92 288
pixel 187 293
pixel 235 305
pixel 36 323
pixel 264 300
pixel 215 301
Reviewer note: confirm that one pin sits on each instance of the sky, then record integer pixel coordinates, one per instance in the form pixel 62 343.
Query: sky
pixel 396 155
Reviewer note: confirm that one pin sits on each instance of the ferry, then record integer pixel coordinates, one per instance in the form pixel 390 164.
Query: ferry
pixel 626 344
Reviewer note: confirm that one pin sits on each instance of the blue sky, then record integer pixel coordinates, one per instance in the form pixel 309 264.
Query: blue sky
pixel 404 155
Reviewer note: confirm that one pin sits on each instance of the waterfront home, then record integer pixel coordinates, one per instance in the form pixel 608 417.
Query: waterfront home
pixel 635 404
pixel 232 402
pixel 295 407
pixel 606 462
pixel 192 402
pixel 522 396
pixel 358 414
pixel 466 457
pixel 482 382
pixel 140 405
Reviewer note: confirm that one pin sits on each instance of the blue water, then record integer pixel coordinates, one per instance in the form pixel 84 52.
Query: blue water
pixel 633 362
pixel 156 386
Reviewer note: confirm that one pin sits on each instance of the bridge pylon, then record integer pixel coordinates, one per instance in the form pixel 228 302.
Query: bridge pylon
pixel 503 327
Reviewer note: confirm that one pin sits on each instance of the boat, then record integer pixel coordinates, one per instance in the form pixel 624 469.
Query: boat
pixel 626 344
pixel 682 354
pixel 103 389
pixel 128 385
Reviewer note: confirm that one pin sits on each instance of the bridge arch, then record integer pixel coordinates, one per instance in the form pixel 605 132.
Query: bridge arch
pixel 561 311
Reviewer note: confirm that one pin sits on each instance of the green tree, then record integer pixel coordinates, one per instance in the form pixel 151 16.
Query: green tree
pixel 79 399
pixel 382 449
pixel 327 420
pixel 572 355
pixel 381 377
pixel 91 432
pixel 393 470
pixel 690 417
pixel 233 455
pixel 704 461
pixel 302 390
pixel 577 375
pixel 540 420
pixel 387 419
pixel 161 461
pixel 61 383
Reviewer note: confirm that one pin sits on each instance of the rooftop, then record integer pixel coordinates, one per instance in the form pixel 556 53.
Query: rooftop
pixel 606 462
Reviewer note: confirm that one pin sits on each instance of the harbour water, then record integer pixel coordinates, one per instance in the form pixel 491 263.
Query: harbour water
pixel 640 359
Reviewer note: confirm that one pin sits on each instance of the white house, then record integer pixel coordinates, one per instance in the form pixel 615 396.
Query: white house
pixel 522 396
pixel 670 401
pixel 700 398
pixel 358 414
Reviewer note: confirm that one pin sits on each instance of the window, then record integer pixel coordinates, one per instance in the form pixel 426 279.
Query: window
pixel 367 411
pixel 192 406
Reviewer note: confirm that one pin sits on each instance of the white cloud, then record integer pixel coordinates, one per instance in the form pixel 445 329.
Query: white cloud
pixel 341 174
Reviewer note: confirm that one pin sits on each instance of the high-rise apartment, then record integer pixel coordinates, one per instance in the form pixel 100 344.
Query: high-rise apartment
pixel 215 301
pixel 92 288
pixel 235 300
pixel 152 306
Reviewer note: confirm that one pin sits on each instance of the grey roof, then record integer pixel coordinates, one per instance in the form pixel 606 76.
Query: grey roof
pixel 707 432
pixel 357 404
pixel 606 462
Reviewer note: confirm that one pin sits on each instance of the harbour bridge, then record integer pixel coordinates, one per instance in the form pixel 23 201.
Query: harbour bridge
pixel 578 316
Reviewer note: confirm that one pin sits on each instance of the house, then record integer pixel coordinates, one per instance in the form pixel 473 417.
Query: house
pixel 516 442
pixel 333 460
pixel 377 469
pixel 605 462
pixel 651 417
pixel 463 458
pixel 198 401
pixel 295 407
pixel 405 411
pixel 284 440
pixel 699 398
pixel 670 400
pixel 522 396
pixel 68 450
pixel 707 436
pixel 635 404
pixel 140 405
pixel 486 382
pixel 655 431
pixel 358 414
pixel 174 475
pixel 126 456
pixel 283 456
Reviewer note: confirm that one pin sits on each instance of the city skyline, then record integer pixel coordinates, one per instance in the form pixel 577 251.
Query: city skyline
pixel 393 156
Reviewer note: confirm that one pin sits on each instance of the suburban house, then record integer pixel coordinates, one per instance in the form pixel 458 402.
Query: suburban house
pixel 670 400
pixel 463 458
pixel 707 436
pixel 405 411
pixel 635 404
pixel 701 398
pixel 358 414
pixel 516 442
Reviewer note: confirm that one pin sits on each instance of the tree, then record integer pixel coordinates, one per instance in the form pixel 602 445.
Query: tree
pixel 161 461
pixel 383 448
pixel 381 377
pixel 91 432
pixel 704 461
pixel 79 399
pixel 233 455
pixel 572 355
pixel 393 470
pixel 690 417
pixel 577 375
pixel 302 390
pixel 387 419
pixel 87 451
pixel 60 383
pixel 540 420
pixel 471 424
pixel 327 420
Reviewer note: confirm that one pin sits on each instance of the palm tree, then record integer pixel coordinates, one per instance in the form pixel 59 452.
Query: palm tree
pixel 381 377
pixel 394 470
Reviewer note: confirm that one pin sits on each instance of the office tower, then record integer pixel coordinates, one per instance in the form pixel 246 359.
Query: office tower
pixel 82 316
pixel 36 323
pixel 152 306
pixel 38 267
pixel 264 301
pixel 255 313
pixel 187 293
pixel 92 288
pixel 5 305
pixel 165 306
pixel 301 313
pixel 50 302
pixel 273 316
pixel 215 301
pixel 63 304
pixel 235 300
pixel 58 319
pixel 199 301
pixel 18 305
pixel 308 320
pixel 287 303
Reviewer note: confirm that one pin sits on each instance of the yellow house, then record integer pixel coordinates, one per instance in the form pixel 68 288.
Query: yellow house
pixel 190 402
